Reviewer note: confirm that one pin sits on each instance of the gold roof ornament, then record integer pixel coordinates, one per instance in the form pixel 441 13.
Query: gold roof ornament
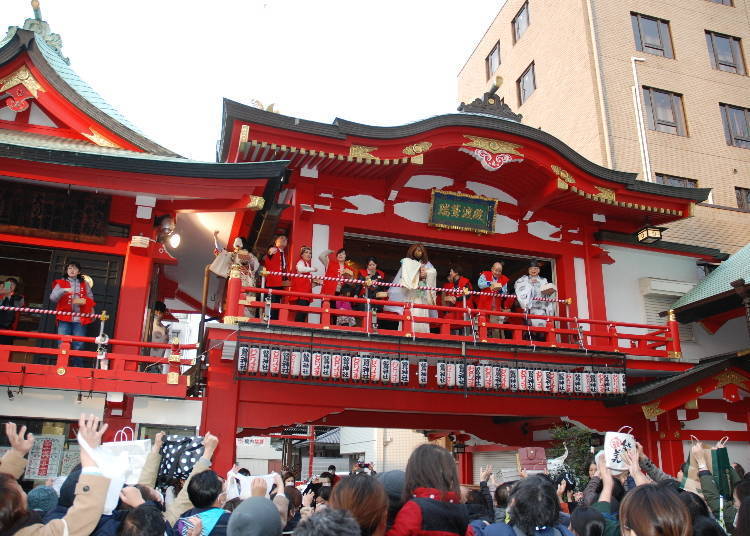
pixel 492 145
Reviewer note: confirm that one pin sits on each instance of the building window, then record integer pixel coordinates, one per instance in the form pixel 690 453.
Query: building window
pixel 723 2
pixel 520 22
pixel 492 62
pixel 526 84
pixel 664 111
pixel 652 35
pixel 654 304
pixel 736 125
pixel 725 53
pixel 743 197
pixel 671 180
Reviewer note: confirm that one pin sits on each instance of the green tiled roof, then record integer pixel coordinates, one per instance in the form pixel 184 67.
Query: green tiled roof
pixel 58 63
pixel 717 282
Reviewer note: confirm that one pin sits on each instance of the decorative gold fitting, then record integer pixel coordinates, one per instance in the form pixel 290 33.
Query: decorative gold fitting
pixel 484 340
pixel 174 358
pixel 64 352
pixel 61 371
pixel 235 271
pixel 175 340
pixel 264 272
pixel 677 435
pixel 699 390
pixel 671 315
pixel 235 319
pixel 662 435
pixel 104 316
pixel 326 327
pixel 256 203
pixel 407 334
pixel 569 300
pixel 674 355
pixel 173 378
pixel 408 318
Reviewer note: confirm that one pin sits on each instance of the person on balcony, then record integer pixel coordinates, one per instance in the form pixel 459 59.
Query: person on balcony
pixel 415 276
pixel 248 268
pixel 275 261
pixel 9 298
pixel 303 284
pixel 73 294
pixel 370 275
pixel 339 266
pixel 495 282
pixel 531 289
pixel 456 281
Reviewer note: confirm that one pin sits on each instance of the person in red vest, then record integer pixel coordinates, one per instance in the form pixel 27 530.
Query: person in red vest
pixel 494 281
pixel 456 280
pixel 303 284
pixel 337 266
pixel 276 261
pixel 73 294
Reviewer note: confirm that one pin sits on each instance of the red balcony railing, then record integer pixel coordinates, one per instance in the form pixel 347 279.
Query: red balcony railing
pixel 33 366
pixel 469 325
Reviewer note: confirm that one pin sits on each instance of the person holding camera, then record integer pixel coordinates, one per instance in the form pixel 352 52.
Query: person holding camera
pixel 9 298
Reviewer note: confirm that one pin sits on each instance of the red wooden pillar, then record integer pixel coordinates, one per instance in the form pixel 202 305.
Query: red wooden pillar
pixel 466 468
pixel 301 235
pixel 134 291
pixel 670 442
pixel 220 408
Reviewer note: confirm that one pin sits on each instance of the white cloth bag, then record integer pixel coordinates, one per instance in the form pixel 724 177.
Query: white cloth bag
pixel 135 450
pixel 112 467
pixel 614 445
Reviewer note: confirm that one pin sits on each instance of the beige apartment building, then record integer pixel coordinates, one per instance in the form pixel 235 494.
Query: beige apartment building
pixel 570 67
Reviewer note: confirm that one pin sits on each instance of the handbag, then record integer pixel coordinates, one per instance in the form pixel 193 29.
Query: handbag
pixel 222 263
pixel 721 469
pixel 614 445
pixel 532 459
pixel 135 450
pixel 179 454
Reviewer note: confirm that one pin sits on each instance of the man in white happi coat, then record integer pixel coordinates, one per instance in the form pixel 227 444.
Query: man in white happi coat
pixel 529 289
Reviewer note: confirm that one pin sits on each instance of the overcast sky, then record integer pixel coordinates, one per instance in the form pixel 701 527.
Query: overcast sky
pixel 166 64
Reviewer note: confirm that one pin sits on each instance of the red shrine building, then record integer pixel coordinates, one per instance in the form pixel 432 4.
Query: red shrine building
pixel 472 187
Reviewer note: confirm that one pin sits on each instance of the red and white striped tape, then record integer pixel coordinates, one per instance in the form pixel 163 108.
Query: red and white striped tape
pixel 457 292
pixel 48 312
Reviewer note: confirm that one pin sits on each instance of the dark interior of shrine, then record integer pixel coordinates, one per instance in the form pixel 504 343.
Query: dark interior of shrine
pixel 390 251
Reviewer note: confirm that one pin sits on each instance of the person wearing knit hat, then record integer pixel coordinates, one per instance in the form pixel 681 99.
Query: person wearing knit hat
pixel 256 516
pixel 42 499
pixel 393 482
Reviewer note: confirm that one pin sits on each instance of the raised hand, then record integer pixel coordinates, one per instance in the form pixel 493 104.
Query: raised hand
pixel 485 474
pixel 210 442
pixel 131 496
pixel 18 440
pixel 258 487
pixel 158 441
pixel 91 433
pixel 308 498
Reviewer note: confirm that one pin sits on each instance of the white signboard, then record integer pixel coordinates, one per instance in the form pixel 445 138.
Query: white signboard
pixel 45 457
pixel 71 458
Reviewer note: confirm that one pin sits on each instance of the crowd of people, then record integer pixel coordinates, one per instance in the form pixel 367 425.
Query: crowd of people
pixel 427 499
pixel 416 282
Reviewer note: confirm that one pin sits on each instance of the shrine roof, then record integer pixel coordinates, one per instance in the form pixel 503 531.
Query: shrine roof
pixel 717 285
pixel 69 152
pixel 340 129
pixel 706 368
pixel 58 72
